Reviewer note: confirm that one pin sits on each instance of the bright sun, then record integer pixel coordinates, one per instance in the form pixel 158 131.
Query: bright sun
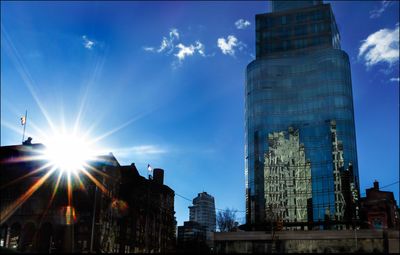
pixel 67 153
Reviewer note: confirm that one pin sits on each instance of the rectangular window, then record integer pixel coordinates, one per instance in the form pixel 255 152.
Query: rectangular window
pixel 283 20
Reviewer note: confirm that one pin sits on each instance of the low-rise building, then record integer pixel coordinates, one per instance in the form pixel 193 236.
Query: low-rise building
pixel 192 238
pixel 104 207
pixel 147 222
pixel 45 210
pixel 379 209
pixel 320 241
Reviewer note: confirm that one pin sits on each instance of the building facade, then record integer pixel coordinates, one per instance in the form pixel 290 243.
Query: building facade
pixel 331 241
pixel 379 209
pixel 301 80
pixel 287 177
pixel 192 238
pixel 111 208
pixel 147 217
pixel 38 215
pixel 203 211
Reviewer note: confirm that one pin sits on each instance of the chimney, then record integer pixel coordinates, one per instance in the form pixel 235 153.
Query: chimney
pixel 134 169
pixel 158 175
pixel 376 185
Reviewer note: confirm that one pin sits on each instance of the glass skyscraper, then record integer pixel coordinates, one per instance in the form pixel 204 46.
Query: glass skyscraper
pixel 300 137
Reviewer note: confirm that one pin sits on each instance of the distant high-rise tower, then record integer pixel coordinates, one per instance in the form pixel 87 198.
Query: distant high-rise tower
pixel 300 81
pixel 203 211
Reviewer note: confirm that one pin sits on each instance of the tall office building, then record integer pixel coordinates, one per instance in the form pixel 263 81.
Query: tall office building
pixel 203 211
pixel 299 118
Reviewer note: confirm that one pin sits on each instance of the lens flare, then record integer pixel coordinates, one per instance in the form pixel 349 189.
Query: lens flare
pixel 68 153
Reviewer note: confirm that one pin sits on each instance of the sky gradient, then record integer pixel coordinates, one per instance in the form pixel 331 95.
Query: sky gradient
pixel 162 83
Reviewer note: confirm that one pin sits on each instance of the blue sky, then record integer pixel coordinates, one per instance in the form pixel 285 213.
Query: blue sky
pixel 165 82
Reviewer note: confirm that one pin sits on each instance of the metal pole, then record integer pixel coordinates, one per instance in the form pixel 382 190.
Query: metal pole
pixel 93 220
pixel 73 235
pixel 23 134
pixel 355 234
pixel 51 241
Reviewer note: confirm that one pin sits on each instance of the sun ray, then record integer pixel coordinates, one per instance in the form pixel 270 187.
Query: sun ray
pixel 81 186
pixel 69 186
pixel 95 74
pixel 52 197
pixel 8 211
pixel 96 182
pixel 96 170
pixel 42 168
pixel 12 127
pixel 24 159
pixel 23 71
pixel 112 131
pixel 17 114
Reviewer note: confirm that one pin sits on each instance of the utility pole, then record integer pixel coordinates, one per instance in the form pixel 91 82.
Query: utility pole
pixel 93 219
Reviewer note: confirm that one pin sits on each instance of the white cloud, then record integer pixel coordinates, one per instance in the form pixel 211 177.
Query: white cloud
pixel 172 44
pixel 376 13
pixel 381 46
pixel 242 24
pixel 87 43
pixel 189 50
pixel 395 79
pixel 228 46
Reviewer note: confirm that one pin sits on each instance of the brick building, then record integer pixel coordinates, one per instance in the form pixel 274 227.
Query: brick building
pixel 111 208
pixel 148 222
pixel 379 209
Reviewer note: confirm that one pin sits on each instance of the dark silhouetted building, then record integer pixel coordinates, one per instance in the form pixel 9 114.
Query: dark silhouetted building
pixel 192 238
pixel 37 215
pixel 148 225
pixel 108 207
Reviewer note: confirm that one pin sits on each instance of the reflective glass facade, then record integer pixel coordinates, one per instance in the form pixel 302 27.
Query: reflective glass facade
pixel 307 89
pixel 283 5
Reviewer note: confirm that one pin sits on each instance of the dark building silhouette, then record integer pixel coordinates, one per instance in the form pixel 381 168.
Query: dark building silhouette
pixel 379 209
pixel 49 220
pixel 192 238
pixel 123 212
pixel 148 225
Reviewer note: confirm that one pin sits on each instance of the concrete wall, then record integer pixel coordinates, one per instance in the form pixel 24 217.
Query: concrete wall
pixel 369 241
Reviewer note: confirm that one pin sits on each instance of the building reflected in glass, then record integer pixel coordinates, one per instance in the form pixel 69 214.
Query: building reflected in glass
pixel 299 87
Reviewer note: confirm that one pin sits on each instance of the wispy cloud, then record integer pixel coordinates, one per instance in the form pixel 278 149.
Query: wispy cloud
pixel 167 43
pixel 242 24
pixel 377 12
pixel 89 44
pixel 174 33
pixel 381 46
pixel 228 45
pixel 141 150
pixel 149 49
pixel 189 50
pixel 181 51
pixel 395 79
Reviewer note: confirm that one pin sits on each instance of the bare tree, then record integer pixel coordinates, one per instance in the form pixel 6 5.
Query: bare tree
pixel 226 220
